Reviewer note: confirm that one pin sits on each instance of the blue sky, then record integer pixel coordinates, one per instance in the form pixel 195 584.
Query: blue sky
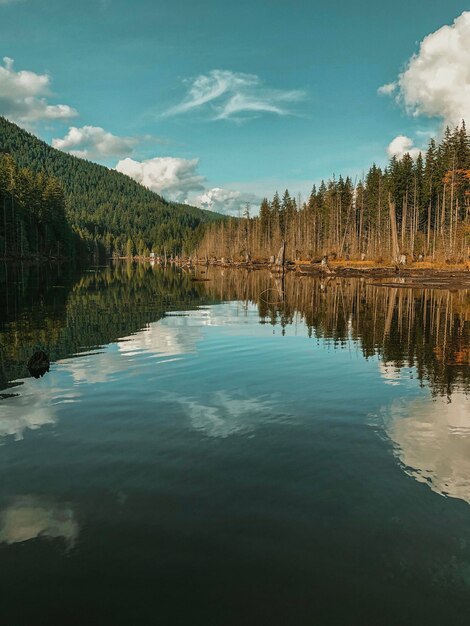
pixel 283 94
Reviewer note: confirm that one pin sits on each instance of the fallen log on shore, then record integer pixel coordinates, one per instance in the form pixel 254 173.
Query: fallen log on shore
pixel 322 267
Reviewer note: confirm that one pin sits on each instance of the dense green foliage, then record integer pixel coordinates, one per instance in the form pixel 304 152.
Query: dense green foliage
pixel 427 199
pixel 106 207
pixel 33 220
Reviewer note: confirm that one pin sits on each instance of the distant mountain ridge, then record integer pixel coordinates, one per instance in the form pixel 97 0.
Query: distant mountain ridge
pixel 104 205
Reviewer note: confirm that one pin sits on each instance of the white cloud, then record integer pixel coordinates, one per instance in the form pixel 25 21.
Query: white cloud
pixel 387 90
pixel 226 201
pixel 402 145
pixel 24 96
pixel 178 179
pixel 231 94
pixel 172 177
pixel 94 142
pixel 436 81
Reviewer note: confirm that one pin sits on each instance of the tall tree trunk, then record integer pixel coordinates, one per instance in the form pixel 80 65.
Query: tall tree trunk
pixel 393 229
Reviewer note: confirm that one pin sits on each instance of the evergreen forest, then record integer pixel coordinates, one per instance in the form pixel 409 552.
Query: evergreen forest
pixel 413 209
pixel 105 211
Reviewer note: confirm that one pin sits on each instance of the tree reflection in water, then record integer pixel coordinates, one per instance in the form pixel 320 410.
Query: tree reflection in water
pixel 65 315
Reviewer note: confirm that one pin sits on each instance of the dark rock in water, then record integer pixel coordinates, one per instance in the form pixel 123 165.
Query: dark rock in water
pixel 38 364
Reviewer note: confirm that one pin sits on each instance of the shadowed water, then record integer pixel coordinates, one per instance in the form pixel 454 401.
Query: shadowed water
pixel 226 447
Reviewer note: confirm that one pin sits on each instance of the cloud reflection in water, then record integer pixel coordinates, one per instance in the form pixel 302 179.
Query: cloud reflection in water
pixel 30 517
pixel 224 414
pixel 432 442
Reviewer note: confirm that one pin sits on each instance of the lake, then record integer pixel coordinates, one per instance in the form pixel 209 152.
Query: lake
pixel 225 447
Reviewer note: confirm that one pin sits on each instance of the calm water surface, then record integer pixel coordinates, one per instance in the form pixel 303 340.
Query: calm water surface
pixel 228 448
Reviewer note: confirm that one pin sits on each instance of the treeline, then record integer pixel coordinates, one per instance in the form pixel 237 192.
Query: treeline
pixel 412 209
pixel 106 209
pixel 32 209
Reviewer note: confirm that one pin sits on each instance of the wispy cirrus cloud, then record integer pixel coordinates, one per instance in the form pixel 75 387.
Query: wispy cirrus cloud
pixel 24 96
pixel 234 95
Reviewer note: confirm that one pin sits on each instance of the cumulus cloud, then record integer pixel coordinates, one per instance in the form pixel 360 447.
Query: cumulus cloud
pixel 24 96
pixel 402 145
pixel 226 201
pixel 387 90
pixel 232 95
pixel 179 180
pixel 94 142
pixel 172 177
pixel 436 81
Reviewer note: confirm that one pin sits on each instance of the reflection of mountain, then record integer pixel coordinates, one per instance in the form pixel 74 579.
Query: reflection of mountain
pixel 420 328
pixel 29 517
pixel 100 308
pixel 432 441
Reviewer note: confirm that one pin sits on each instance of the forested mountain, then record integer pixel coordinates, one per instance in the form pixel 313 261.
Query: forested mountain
pixel 105 207
pixel 33 220
pixel 410 208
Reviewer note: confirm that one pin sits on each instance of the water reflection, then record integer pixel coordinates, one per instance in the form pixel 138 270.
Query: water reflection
pixel 171 336
pixel 198 426
pixel 35 405
pixel 30 517
pixel 432 442
pixel 89 311
pixel 224 414
pixel 118 316
pixel 421 328
pixel 427 329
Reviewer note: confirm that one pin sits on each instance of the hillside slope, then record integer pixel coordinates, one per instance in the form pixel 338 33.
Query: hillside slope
pixel 105 205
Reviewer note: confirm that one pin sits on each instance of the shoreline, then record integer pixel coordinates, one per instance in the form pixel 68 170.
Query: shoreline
pixel 418 274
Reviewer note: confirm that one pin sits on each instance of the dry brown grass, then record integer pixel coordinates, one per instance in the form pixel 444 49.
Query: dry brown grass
pixel 440 265
pixel 356 263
